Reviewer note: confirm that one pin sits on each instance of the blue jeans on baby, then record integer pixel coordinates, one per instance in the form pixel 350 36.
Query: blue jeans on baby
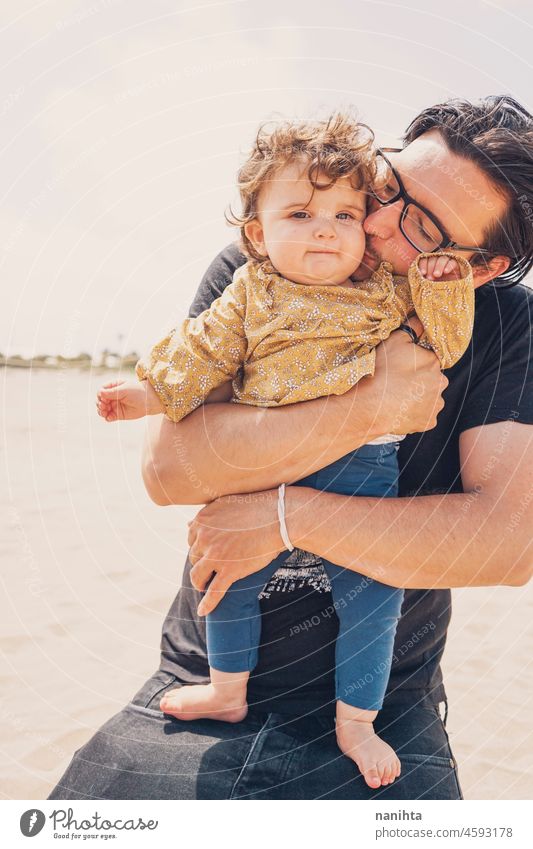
pixel 368 611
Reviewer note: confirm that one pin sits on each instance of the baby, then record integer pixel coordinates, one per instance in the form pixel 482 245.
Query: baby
pixel 293 326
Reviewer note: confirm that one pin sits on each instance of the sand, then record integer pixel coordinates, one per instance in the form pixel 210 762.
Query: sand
pixel 90 566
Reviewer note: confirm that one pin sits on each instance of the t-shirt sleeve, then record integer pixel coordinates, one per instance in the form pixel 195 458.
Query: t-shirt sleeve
pixel 216 278
pixel 502 388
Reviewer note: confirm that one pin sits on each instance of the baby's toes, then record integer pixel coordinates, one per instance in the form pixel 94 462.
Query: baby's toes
pixel 393 768
pixel 372 777
pixel 169 698
pixel 387 774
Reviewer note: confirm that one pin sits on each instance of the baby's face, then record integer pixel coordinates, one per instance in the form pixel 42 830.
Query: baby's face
pixel 310 236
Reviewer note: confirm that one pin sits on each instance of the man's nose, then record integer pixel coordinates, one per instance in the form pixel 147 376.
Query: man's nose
pixel 384 221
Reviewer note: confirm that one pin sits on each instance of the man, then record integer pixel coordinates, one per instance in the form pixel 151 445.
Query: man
pixel 463 181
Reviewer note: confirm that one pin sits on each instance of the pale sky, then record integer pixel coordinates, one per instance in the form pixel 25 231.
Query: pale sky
pixel 123 124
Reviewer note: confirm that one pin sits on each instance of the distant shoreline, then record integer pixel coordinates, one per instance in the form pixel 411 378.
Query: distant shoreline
pixel 106 362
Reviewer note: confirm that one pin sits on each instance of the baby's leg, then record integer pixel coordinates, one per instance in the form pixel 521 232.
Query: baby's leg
pixel 224 698
pixel 233 634
pixel 356 738
pixel 368 613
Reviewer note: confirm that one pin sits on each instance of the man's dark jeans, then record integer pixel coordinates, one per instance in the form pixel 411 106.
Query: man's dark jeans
pixel 142 754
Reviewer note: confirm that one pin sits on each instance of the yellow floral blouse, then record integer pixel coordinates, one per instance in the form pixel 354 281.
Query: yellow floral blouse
pixel 281 342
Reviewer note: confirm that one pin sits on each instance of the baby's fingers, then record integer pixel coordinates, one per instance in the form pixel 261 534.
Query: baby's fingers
pixel 109 392
pixel 106 410
pixel 430 268
pixel 423 266
pixel 112 394
pixel 452 270
pixel 440 264
pixel 113 383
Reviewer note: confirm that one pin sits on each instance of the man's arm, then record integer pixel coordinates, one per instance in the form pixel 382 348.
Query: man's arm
pixel 481 537
pixel 223 449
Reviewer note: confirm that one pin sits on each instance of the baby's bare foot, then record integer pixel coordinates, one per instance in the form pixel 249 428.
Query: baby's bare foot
pixel 356 738
pixel 204 701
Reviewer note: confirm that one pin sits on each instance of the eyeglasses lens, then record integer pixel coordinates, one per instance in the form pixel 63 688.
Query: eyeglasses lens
pixel 420 230
pixel 414 223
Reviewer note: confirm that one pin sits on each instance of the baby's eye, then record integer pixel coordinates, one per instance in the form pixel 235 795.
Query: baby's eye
pixel 300 215
pixel 344 216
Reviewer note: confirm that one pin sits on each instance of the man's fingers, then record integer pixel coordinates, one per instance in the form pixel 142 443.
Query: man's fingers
pixel 216 591
pixel 194 556
pixel 192 533
pixel 437 407
pixel 201 572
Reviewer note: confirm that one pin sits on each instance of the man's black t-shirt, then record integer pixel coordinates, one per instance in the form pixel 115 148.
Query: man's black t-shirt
pixel 492 382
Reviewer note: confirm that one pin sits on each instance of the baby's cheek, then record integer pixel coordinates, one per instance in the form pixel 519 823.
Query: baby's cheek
pixel 358 238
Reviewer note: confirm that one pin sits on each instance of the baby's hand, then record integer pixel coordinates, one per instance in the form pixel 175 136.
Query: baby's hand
pixel 127 399
pixel 439 268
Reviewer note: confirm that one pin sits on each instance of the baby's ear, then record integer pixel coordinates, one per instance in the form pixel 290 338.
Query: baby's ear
pixel 253 231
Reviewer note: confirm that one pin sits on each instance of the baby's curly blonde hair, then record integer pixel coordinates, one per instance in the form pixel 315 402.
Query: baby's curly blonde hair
pixel 337 147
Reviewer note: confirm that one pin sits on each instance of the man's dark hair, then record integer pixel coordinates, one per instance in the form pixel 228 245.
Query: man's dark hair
pixel 496 133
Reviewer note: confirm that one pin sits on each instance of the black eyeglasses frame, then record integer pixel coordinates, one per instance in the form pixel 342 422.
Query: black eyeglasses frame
pixel 447 242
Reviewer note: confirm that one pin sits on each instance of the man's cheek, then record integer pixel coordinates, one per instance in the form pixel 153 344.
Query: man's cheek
pixel 402 256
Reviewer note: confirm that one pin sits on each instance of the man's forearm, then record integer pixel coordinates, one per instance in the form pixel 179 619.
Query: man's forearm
pixel 223 449
pixel 427 542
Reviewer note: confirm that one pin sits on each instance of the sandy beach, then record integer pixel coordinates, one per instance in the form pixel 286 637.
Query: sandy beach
pixel 90 566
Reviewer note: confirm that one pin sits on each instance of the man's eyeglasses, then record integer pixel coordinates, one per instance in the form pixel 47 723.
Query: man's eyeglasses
pixel 421 229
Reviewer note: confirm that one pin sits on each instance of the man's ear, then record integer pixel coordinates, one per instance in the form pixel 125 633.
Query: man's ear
pixel 254 233
pixel 487 270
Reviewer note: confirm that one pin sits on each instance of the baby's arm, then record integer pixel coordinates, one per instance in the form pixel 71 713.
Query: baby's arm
pixel 442 290
pixel 185 366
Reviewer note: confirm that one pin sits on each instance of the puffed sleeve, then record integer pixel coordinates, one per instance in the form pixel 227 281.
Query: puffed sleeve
pixel 201 355
pixel 445 308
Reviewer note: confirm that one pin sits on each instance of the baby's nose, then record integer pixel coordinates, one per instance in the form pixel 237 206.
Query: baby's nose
pixel 325 228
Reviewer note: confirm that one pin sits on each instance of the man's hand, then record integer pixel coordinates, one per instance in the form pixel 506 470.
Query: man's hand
pixel 232 537
pixel 127 399
pixel 407 385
